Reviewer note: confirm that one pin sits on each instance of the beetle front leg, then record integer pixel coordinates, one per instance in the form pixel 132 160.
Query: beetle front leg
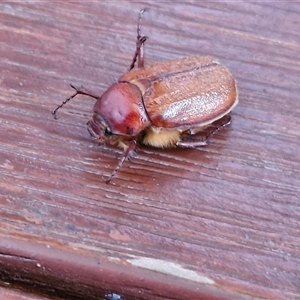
pixel 128 154
pixel 139 51
pixel 215 126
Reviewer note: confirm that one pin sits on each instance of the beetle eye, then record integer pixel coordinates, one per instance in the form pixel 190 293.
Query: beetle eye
pixel 107 132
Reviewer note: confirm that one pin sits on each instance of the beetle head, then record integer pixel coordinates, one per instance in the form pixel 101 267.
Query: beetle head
pixel 118 112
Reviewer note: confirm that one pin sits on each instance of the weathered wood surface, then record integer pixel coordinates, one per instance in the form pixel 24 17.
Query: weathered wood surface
pixel 220 222
pixel 17 294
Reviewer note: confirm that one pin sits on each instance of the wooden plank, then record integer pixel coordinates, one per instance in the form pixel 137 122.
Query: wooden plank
pixel 8 293
pixel 220 222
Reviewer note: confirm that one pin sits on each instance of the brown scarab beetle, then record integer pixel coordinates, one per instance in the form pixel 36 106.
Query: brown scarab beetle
pixel 162 105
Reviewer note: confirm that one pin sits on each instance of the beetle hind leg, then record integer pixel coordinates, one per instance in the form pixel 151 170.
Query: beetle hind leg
pixel 139 51
pixel 208 131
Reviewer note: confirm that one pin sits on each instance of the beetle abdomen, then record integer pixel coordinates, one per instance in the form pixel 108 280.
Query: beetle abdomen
pixel 160 138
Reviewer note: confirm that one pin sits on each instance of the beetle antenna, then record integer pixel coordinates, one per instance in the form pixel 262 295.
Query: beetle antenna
pixel 129 153
pixel 139 51
pixel 80 91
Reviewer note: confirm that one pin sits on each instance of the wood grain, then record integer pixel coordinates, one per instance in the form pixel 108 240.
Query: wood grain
pixel 219 222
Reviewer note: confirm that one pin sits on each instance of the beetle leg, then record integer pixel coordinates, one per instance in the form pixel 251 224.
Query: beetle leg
pixel 139 51
pixel 219 124
pixel 128 154
pixel 80 91
pixel 216 126
pixel 191 144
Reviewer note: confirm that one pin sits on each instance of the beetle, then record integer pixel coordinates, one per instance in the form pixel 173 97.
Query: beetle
pixel 162 105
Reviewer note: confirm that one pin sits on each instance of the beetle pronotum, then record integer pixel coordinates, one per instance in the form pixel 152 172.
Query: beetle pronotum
pixel 161 105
